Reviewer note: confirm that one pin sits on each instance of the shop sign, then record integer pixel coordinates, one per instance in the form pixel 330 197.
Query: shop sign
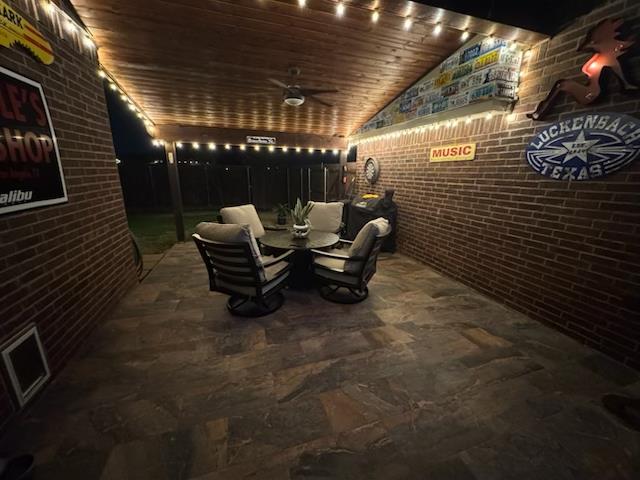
pixel 451 153
pixel 253 140
pixel 585 147
pixel 15 30
pixel 30 170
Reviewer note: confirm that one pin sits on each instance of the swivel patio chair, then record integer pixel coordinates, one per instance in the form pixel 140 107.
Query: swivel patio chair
pixel 236 268
pixel 327 217
pixel 351 268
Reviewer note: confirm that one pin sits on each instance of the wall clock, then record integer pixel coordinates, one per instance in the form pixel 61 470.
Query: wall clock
pixel 371 170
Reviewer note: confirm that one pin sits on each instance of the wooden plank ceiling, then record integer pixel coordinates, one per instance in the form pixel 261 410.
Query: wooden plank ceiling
pixel 206 62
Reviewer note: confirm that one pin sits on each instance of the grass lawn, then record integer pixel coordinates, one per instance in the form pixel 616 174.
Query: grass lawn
pixel 156 232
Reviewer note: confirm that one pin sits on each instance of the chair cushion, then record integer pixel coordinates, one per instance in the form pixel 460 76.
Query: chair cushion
pixel 364 241
pixel 244 214
pixel 326 217
pixel 230 233
pixel 334 263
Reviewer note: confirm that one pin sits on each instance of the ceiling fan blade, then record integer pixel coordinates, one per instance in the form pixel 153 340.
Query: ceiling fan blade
pixel 322 102
pixel 278 83
pixel 315 91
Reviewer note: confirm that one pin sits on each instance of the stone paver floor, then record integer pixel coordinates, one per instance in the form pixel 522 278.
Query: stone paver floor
pixel 427 379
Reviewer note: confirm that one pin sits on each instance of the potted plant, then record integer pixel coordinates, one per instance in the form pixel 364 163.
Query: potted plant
pixel 300 217
pixel 282 210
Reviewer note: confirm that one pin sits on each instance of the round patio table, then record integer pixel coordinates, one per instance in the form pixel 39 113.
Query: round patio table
pixel 301 276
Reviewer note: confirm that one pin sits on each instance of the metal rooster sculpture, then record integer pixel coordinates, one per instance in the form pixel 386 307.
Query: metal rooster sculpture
pixel 603 40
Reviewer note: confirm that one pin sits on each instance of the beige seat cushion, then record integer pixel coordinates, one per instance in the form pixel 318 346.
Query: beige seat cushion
pixel 328 262
pixel 364 241
pixel 326 217
pixel 244 214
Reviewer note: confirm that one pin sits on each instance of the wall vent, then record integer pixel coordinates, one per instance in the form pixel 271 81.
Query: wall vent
pixel 26 364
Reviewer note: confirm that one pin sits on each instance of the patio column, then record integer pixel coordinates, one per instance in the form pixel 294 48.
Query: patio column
pixel 174 188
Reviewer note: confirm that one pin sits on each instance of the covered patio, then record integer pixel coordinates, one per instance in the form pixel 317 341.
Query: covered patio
pixel 406 244
pixel 427 379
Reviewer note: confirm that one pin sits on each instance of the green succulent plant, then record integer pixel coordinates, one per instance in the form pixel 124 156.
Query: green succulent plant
pixel 300 213
pixel 282 209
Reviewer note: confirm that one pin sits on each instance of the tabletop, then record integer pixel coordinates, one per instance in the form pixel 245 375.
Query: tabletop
pixel 285 240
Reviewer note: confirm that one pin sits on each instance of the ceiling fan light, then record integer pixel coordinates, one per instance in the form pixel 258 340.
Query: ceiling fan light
pixel 294 101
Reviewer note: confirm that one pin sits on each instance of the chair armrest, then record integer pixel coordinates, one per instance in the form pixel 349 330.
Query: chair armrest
pixel 348 242
pixel 278 259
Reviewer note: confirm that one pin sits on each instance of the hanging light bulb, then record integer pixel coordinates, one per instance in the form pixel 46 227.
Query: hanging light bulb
pixel 310 150
pixel 243 147
pixel 437 29
pixel 284 149
pixel 101 74
pixel 178 144
pixel 407 23
pixel 298 149
pixel 195 145
pixel 212 146
pixel 302 3
pixel 271 148
pixel 113 86
pixel 340 9
pixel 323 151
pixel 227 146
pixel 335 151
pixel 375 16
pixel 464 36
pixel 256 148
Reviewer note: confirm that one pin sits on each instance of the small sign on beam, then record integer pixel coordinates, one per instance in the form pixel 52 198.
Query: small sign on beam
pixel 254 140
pixel 452 153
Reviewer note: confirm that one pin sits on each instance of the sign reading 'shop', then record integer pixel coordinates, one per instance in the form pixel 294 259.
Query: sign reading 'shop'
pixel 585 147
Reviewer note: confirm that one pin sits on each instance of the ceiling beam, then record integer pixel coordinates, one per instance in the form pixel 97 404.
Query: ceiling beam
pixel 220 136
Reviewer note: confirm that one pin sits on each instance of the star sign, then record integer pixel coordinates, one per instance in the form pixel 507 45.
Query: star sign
pixel 578 148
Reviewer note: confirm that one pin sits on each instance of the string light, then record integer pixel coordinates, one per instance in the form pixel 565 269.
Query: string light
pixel 212 146
pixel 310 150
pixel 271 148
pixel 323 151
pixel 340 9
pixel 375 16
pixel 195 145
pixel 302 3
pixel 298 149
pixel 335 151
pixel 256 148
pixel 178 144
pixel 284 149
pixel 101 74
pixel 243 147
pixel 431 127
pixel 227 146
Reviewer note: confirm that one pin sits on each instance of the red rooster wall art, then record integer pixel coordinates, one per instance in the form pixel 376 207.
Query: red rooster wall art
pixel 602 39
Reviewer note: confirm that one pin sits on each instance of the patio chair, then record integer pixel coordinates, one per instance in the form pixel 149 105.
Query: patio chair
pixel 335 269
pixel 326 217
pixel 235 267
pixel 242 215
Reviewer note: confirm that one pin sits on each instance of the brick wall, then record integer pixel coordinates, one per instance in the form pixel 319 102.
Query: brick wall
pixel 567 254
pixel 62 267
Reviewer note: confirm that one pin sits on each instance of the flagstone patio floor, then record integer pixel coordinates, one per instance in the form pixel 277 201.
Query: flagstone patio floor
pixel 427 379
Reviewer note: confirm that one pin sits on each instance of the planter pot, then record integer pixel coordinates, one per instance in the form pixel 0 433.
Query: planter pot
pixel 281 220
pixel 301 231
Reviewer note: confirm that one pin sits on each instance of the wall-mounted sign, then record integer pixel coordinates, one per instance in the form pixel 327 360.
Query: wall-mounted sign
pixel 585 146
pixel 30 171
pixel 602 39
pixel 15 30
pixel 451 153
pixel 483 69
pixel 253 140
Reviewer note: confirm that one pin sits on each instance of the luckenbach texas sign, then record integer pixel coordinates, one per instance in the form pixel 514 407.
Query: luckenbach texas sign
pixel 585 147
pixel 30 171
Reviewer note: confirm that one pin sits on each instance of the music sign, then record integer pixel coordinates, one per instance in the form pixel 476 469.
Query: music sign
pixel 30 170
pixel 451 153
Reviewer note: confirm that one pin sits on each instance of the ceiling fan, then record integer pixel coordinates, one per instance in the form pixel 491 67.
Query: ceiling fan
pixel 295 95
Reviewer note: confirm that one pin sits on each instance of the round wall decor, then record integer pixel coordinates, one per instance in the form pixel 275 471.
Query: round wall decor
pixel 371 170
